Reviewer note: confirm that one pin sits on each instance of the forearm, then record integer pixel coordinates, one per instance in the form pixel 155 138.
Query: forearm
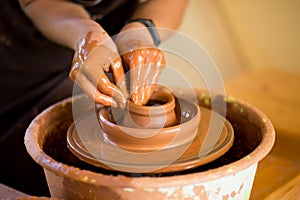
pixel 164 13
pixel 63 22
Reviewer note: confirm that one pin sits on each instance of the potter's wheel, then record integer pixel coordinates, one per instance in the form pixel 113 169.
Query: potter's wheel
pixel 94 148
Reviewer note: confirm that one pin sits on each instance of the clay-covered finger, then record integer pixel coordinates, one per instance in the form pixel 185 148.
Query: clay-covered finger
pixel 89 88
pixel 151 71
pixel 146 65
pixel 100 60
pixel 152 79
pixel 118 75
pixel 144 92
pixel 75 68
pixel 141 94
pixel 155 66
pixel 136 80
pixel 97 76
pixel 106 87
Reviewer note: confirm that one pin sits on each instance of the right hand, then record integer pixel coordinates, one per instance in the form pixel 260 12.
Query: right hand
pixel 91 59
pixel 144 61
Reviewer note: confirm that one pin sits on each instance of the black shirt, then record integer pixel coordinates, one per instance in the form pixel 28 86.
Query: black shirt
pixel 33 75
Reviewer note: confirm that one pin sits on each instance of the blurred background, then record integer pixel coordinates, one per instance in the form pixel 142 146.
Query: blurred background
pixel 242 35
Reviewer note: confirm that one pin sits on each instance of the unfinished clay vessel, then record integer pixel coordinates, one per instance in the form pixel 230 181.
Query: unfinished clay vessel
pixel 91 145
pixel 229 177
pixel 138 149
pixel 164 131
pixel 159 112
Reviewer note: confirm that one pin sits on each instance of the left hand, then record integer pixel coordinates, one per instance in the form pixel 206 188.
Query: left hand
pixel 96 53
pixel 143 59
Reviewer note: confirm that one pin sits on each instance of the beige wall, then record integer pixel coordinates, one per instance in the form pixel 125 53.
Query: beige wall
pixel 246 34
pixel 202 22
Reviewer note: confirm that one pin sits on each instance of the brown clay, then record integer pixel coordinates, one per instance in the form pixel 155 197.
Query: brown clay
pixel 69 178
pixel 151 139
pixel 91 59
pixel 105 154
pixel 157 113
pixel 183 139
pixel 145 65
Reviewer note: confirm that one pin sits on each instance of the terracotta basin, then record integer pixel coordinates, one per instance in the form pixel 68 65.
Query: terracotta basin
pixel 229 177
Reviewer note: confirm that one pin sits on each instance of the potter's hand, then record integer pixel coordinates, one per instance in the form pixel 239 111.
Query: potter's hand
pixel 144 61
pixel 91 59
pixel 145 66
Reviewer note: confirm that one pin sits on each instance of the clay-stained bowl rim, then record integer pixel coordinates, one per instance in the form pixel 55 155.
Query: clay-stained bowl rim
pixel 98 179
pixel 168 106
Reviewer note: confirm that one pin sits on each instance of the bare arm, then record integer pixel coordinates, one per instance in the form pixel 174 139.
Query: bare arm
pixel 164 13
pixel 68 24
pixel 61 21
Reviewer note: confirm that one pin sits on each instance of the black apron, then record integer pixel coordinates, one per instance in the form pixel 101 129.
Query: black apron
pixel 34 75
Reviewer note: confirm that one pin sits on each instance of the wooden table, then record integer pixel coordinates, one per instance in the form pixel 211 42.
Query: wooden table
pixel 277 94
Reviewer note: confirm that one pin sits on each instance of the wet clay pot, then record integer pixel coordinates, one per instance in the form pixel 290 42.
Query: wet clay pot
pixel 159 112
pixel 158 127
pixel 229 177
